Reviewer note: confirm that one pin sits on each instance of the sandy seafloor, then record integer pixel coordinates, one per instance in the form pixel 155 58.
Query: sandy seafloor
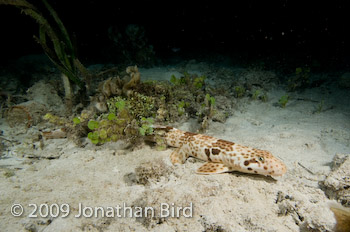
pixel 105 175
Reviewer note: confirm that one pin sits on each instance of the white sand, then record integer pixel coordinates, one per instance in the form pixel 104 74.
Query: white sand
pixel 105 176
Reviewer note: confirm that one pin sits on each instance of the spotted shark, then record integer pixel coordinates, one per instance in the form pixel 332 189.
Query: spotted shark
pixel 220 155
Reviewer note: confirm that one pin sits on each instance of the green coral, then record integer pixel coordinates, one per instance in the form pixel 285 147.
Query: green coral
pixel 116 104
pixel 264 97
pixel 258 94
pixel 55 119
pixel 174 80
pixel 76 127
pixel 181 107
pixel 320 107
pixel 131 114
pixel 128 118
pixel 189 80
pixel 198 82
pixel 111 116
pixel 210 100
pixel 120 104
pixel 239 91
pixel 178 81
pixel 103 134
pixel 76 120
pixel 108 128
pixel 209 106
pixel 283 101
pixel 142 106
pixel 146 127
pixel 92 125
pixel 93 136
pixel 300 80
pixel 137 105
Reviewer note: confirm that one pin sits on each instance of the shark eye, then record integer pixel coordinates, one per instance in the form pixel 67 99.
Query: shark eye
pixel 261 159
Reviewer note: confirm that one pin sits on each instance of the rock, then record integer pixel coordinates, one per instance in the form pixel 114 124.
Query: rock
pixel 45 94
pixel 25 114
pixel 151 172
pixel 337 183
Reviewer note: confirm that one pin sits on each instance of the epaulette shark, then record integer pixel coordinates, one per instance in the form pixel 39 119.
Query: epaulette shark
pixel 220 155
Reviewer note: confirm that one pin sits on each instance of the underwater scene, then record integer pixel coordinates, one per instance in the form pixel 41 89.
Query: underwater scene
pixel 147 116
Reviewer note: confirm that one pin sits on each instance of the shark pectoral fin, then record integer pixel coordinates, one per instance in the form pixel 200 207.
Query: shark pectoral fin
pixel 178 156
pixel 212 168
